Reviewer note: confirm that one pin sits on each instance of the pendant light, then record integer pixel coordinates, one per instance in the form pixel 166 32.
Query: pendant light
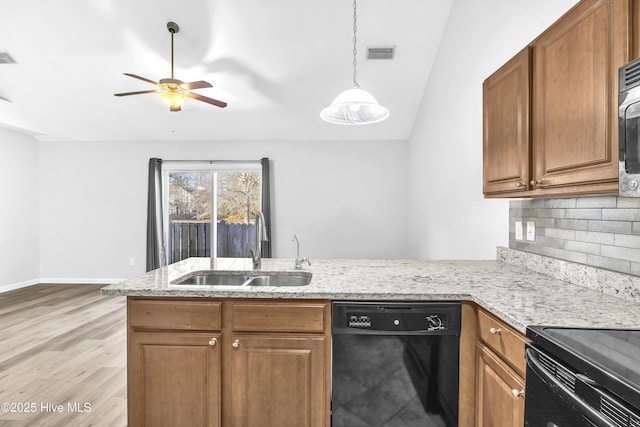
pixel 354 106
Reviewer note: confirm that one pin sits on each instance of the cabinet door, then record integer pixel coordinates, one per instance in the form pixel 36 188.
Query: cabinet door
pixel 575 84
pixel 506 131
pixel 279 382
pixel 499 392
pixel 174 379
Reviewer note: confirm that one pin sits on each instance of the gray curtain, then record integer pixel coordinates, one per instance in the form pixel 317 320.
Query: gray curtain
pixel 156 253
pixel 266 206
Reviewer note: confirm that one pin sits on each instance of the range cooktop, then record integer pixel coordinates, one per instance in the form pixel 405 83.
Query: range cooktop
pixel 610 357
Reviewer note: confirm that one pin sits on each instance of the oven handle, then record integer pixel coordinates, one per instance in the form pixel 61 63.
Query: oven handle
pixel 583 407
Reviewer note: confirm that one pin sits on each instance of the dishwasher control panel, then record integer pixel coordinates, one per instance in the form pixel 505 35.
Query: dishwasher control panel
pixel 409 318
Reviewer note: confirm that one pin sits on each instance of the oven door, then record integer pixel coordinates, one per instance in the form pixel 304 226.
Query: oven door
pixel 550 402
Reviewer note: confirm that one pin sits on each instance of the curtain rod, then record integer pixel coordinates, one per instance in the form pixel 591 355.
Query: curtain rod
pixel 213 161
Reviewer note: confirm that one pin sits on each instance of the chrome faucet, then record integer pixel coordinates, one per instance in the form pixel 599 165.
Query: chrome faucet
pixel 260 232
pixel 299 260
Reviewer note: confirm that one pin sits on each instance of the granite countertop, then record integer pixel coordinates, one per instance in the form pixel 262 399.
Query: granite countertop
pixel 519 296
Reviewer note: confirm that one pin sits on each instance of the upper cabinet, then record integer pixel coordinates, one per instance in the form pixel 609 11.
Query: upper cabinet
pixel 506 139
pixel 550 124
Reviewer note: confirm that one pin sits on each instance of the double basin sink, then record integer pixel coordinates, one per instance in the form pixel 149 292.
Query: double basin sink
pixel 212 278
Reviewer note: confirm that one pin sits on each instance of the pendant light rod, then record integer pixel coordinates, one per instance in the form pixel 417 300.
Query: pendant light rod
pixel 354 106
pixel 355 40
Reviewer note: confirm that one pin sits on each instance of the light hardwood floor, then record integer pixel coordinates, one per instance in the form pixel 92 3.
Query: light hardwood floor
pixel 62 345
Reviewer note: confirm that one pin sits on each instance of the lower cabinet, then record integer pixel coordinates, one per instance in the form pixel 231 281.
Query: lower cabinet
pixel 500 370
pixel 278 381
pixel 498 392
pixel 252 363
pixel 174 379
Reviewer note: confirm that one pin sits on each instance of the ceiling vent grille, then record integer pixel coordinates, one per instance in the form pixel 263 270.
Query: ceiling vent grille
pixel 381 52
pixel 5 58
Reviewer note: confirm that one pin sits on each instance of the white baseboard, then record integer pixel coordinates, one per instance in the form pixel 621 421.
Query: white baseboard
pixel 77 281
pixel 57 281
pixel 11 287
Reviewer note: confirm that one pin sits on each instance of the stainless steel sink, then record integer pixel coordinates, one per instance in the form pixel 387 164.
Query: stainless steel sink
pixel 214 280
pixel 280 280
pixel 240 280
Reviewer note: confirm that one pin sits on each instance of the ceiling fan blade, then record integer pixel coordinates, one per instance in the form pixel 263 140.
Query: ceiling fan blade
pixel 140 78
pixel 196 85
pixel 207 100
pixel 135 93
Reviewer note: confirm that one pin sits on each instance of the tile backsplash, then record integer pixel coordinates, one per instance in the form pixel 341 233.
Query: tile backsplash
pixel 601 231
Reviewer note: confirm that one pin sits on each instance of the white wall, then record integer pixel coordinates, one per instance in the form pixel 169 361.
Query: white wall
pixel 18 209
pixel 448 216
pixel 342 199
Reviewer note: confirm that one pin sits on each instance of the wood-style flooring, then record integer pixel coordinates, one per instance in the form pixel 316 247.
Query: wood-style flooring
pixel 62 357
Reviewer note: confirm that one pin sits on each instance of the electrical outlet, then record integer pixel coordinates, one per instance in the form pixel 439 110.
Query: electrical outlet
pixel 518 230
pixel 132 261
pixel 531 231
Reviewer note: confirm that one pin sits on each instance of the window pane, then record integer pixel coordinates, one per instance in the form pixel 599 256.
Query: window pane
pixel 238 200
pixel 189 215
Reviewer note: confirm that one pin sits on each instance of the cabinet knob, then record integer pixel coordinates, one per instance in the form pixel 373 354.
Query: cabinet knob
pixel 213 341
pixel 517 393
pixel 536 183
pixel 236 343
pixel 495 331
pixel 520 184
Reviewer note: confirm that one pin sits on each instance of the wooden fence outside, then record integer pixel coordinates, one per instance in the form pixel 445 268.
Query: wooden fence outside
pixel 193 239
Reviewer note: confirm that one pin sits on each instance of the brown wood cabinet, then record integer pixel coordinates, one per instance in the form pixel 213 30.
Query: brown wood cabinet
pixel 173 379
pixel 498 389
pixel 506 129
pixel 278 381
pixel 500 372
pixel 238 363
pixel 572 129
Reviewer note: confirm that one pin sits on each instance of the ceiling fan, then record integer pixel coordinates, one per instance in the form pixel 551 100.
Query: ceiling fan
pixel 172 90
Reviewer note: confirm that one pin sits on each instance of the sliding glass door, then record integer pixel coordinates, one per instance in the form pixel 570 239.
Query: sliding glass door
pixel 210 207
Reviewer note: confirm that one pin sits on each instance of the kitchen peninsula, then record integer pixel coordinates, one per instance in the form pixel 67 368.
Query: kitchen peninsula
pixel 216 337
pixel 517 295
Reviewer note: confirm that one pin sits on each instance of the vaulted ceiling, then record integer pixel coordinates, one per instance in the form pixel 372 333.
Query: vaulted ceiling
pixel 277 63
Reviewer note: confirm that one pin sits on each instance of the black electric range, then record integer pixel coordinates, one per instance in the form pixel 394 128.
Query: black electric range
pixel 582 377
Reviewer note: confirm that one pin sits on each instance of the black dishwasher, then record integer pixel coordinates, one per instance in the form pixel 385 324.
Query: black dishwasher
pixel 395 364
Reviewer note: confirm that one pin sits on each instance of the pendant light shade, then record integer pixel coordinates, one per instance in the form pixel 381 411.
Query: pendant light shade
pixel 354 106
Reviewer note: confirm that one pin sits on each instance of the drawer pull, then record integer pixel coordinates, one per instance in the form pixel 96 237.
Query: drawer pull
pixel 213 342
pixel 517 393
pixel 236 343
pixel 495 331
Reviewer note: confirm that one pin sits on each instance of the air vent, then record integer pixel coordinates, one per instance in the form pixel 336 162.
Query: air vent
pixel 381 52
pixel 565 376
pixel 629 75
pixel 5 58
pixel 615 412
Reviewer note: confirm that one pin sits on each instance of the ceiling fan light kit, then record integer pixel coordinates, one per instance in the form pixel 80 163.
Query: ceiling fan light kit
pixel 174 91
pixel 354 106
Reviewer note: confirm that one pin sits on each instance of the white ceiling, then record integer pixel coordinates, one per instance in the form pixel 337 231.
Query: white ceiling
pixel 277 63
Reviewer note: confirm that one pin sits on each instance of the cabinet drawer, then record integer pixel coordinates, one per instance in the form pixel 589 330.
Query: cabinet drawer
pixel 280 316
pixel 174 314
pixel 505 341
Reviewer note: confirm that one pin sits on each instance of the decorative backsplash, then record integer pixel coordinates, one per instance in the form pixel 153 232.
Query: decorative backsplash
pixel 601 231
